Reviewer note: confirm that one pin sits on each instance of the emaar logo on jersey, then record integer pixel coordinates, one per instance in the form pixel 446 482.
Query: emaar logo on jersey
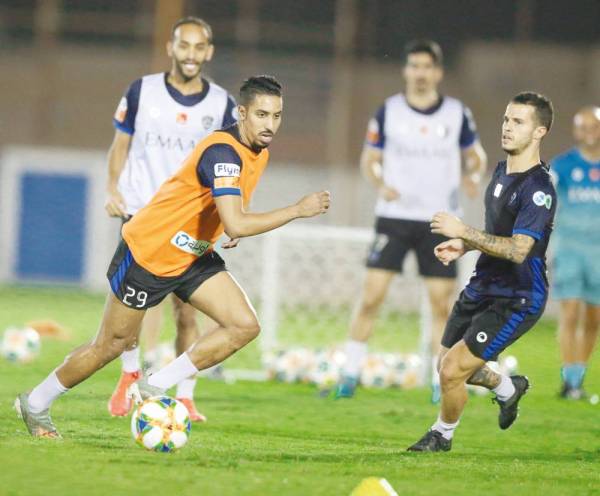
pixel 223 169
pixel 168 142
pixel 424 152
pixel 188 244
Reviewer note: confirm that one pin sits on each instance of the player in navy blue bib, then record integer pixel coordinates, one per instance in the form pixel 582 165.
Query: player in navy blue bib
pixel 507 294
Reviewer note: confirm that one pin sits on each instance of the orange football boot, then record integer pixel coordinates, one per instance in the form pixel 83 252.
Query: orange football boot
pixel 119 404
pixel 195 415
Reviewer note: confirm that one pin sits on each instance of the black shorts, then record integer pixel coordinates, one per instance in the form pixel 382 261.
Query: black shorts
pixel 490 325
pixel 395 237
pixel 138 288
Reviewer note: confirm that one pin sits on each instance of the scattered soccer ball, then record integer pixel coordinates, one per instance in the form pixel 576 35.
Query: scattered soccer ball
pixel 509 365
pixel 407 369
pixel 20 345
pixel 377 371
pixel 326 368
pixel 292 365
pixel 161 424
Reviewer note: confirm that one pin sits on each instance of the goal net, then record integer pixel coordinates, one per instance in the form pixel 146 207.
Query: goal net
pixel 305 282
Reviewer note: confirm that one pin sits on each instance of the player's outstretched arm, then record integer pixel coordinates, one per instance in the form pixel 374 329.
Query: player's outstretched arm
pixel 117 156
pixel 240 224
pixel 515 248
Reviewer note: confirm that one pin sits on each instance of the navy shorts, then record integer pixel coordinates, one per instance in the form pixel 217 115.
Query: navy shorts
pixel 138 288
pixel 395 237
pixel 489 325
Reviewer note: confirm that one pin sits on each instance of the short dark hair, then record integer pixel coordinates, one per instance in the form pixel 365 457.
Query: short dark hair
pixel 544 110
pixel 259 85
pixel 193 20
pixel 424 46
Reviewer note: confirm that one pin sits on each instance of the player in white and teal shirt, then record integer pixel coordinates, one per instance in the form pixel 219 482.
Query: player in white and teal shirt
pixel 576 266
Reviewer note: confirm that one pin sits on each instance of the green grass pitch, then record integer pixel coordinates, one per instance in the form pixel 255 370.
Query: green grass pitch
pixel 276 439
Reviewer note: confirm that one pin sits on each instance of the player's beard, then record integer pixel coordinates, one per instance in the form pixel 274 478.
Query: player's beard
pixel 258 147
pixel 181 71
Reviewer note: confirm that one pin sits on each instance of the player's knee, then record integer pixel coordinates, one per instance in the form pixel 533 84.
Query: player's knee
pixel 439 308
pixel 370 304
pixel 449 371
pixel 570 321
pixel 247 329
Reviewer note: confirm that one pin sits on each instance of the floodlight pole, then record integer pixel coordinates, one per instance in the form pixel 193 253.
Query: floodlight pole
pixel 46 22
pixel 166 13
pixel 340 109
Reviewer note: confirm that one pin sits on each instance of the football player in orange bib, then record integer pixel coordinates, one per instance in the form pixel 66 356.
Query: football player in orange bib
pixel 158 122
pixel 167 248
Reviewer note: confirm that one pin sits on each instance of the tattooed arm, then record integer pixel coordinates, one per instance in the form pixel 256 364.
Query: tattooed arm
pixel 514 249
pixel 485 377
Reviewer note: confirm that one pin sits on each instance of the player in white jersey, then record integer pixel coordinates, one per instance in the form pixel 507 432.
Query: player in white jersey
pixel 412 156
pixel 158 123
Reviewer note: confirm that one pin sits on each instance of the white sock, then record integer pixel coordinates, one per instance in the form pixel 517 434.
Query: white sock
pixel 150 356
pixel 505 389
pixel 185 388
pixel 130 360
pixel 45 393
pixel 356 351
pixel 435 376
pixel 179 369
pixel 446 429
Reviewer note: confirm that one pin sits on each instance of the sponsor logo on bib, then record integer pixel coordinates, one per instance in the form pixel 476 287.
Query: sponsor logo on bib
pixel 188 244
pixel 541 199
pixel 229 170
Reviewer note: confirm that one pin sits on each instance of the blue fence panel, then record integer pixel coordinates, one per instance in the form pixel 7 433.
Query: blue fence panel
pixel 52 227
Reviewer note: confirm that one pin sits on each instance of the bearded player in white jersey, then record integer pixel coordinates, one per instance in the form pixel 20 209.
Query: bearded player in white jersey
pixel 413 153
pixel 158 122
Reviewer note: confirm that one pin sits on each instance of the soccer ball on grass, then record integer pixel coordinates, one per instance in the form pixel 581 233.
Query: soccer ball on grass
pixel 161 424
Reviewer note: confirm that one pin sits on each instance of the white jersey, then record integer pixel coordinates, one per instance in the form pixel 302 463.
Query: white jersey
pixel 165 127
pixel 421 155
